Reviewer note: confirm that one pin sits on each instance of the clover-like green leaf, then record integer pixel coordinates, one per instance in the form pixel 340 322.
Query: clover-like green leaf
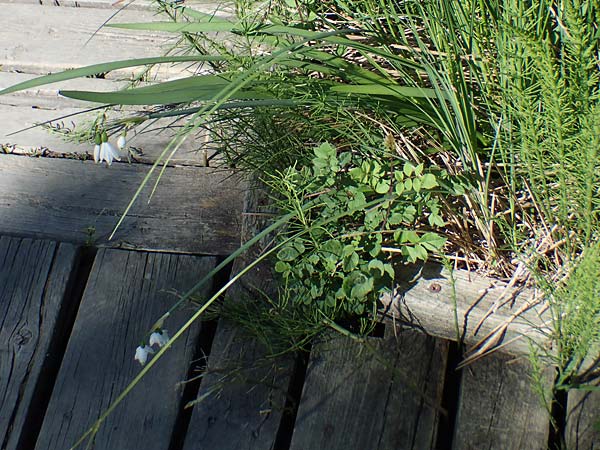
pixel 382 186
pixel 287 254
pixel 428 181
pixel 432 241
pixel 325 151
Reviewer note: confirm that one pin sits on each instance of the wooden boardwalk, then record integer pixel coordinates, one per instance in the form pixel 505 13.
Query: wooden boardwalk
pixel 72 317
pixel 74 304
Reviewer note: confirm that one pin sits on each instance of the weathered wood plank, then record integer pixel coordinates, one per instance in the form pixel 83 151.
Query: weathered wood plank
pixel 27 108
pixel 583 409
pixel 499 408
pixel 357 398
pixel 42 39
pixel 145 147
pixel 242 393
pixel 104 4
pixel 482 305
pixel 125 294
pixel 194 209
pixel 208 6
pixel 242 396
pixel 583 420
pixel 33 281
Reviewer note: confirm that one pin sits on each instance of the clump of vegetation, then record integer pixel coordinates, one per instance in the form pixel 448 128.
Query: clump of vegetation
pixel 344 268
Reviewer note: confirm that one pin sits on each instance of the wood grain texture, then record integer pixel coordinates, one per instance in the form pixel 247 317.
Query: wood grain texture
pixel 125 294
pixel 498 407
pixel 429 304
pixel 25 109
pixel 208 6
pixel 583 408
pixel 33 280
pixel 243 394
pixel 583 420
pixel 42 39
pixel 357 398
pixel 194 209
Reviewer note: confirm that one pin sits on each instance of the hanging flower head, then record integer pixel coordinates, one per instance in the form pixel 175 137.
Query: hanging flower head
pixel 103 150
pixel 142 352
pixel 159 337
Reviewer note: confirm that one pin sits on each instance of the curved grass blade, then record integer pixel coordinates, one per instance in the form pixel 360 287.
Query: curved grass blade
pixel 176 27
pixel 386 89
pixel 96 69
pixel 225 25
pixel 112 16
pixel 198 15
pixel 333 37
pixel 196 88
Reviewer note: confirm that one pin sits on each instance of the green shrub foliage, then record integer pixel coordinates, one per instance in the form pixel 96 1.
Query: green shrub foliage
pixel 344 266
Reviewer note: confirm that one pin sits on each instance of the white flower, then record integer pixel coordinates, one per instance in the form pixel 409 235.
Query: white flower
pixel 141 353
pixel 96 153
pixel 121 142
pixel 108 153
pixel 159 338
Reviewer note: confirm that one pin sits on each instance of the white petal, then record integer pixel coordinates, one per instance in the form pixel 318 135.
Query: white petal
pixel 108 153
pixel 159 338
pixel 165 336
pixel 112 153
pixel 102 156
pixel 141 354
pixel 121 142
pixel 96 153
pixel 155 338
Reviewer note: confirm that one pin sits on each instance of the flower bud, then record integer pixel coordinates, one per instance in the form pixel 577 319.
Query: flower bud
pixel 121 142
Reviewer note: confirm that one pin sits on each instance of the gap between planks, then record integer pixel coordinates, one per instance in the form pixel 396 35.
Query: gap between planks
pixel 242 397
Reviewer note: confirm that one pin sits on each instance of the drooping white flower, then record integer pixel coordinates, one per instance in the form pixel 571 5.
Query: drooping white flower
pixel 103 150
pixel 121 142
pixel 141 353
pixel 159 338
pixel 108 153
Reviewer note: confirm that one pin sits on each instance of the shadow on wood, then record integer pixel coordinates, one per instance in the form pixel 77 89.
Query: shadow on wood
pixel 194 210
pixel 125 294
pixel 33 283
